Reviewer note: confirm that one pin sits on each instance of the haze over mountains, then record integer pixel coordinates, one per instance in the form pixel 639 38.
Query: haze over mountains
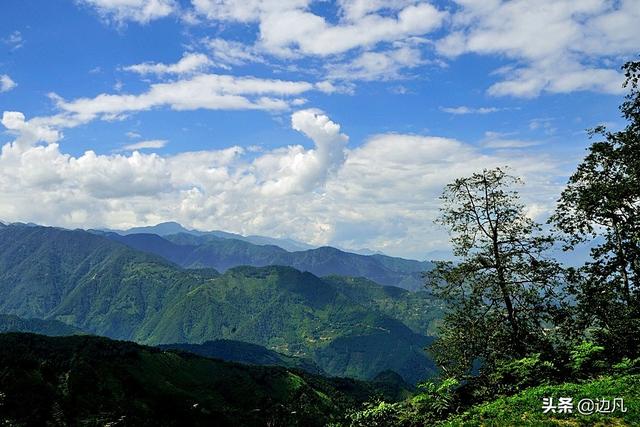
pixel 169 228
pixel 93 282
pixel 221 250
pixel 172 227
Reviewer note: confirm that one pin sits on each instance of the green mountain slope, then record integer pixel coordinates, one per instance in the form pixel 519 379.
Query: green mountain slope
pixel 189 250
pixel 106 288
pixel 525 408
pixel 297 314
pixel 84 380
pixel 12 323
pixel 244 352
pixel 414 309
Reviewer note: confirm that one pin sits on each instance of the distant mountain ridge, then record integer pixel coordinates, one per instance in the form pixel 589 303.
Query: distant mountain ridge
pixel 171 227
pixel 196 251
pixel 291 245
pixel 105 287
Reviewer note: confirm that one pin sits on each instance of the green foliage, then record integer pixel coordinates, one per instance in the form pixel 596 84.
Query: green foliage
pixel 84 380
pixel 434 401
pixel 376 414
pixel 525 408
pixel 627 366
pixel 504 291
pixel 601 205
pixel 587 359
pixel 511 376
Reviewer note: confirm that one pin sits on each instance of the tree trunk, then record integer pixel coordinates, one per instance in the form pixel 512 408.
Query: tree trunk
pixel 622 259
pixel 502 283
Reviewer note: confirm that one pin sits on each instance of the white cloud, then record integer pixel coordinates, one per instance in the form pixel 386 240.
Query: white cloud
pixel 505 141
pixel 463 109
pixel 558 46
pixel 287 27
pixel 189 63
pixel 142 11
pixel 298 170
pixel 382 194
pixel 228 53
pixel 371 39
pixel 244 10
pixel 204 91
pixel 310 34
pixel 29 132
pixel 352 10
pixel 6 83
pixel 383 65
pixel 329 87
pixel 133 135
pixel 544 124
pixel 14 40
pixel 151 143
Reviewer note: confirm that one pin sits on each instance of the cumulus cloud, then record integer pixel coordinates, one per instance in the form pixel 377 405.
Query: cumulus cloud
pixel 288 27
pixel 142 11
pixel 28 132
pixel 298 170
pixel 6 83
pixel 189 63
pixel 558 46
pixel 381 194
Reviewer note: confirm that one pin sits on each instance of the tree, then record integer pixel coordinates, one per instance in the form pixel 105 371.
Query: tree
pixel 601 205
pixel 503 291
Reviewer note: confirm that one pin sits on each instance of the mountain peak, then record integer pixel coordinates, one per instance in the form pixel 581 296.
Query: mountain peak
pixel 162 229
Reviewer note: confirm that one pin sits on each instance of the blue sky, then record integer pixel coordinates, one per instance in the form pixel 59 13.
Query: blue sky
pixel 329 122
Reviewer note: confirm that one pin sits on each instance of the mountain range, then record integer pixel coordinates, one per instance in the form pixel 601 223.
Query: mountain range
pixel 346 326
pixel 210 250
pixel 171 227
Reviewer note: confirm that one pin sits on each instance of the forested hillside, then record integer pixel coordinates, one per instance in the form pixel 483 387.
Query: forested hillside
pixel 244 352
pixel 85 380
pixel 106 288
pixel 13 323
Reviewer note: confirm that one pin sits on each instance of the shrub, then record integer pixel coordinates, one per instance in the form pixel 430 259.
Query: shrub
pixel 587 359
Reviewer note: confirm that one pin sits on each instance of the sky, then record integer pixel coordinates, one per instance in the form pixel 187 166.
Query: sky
pixel 330 122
